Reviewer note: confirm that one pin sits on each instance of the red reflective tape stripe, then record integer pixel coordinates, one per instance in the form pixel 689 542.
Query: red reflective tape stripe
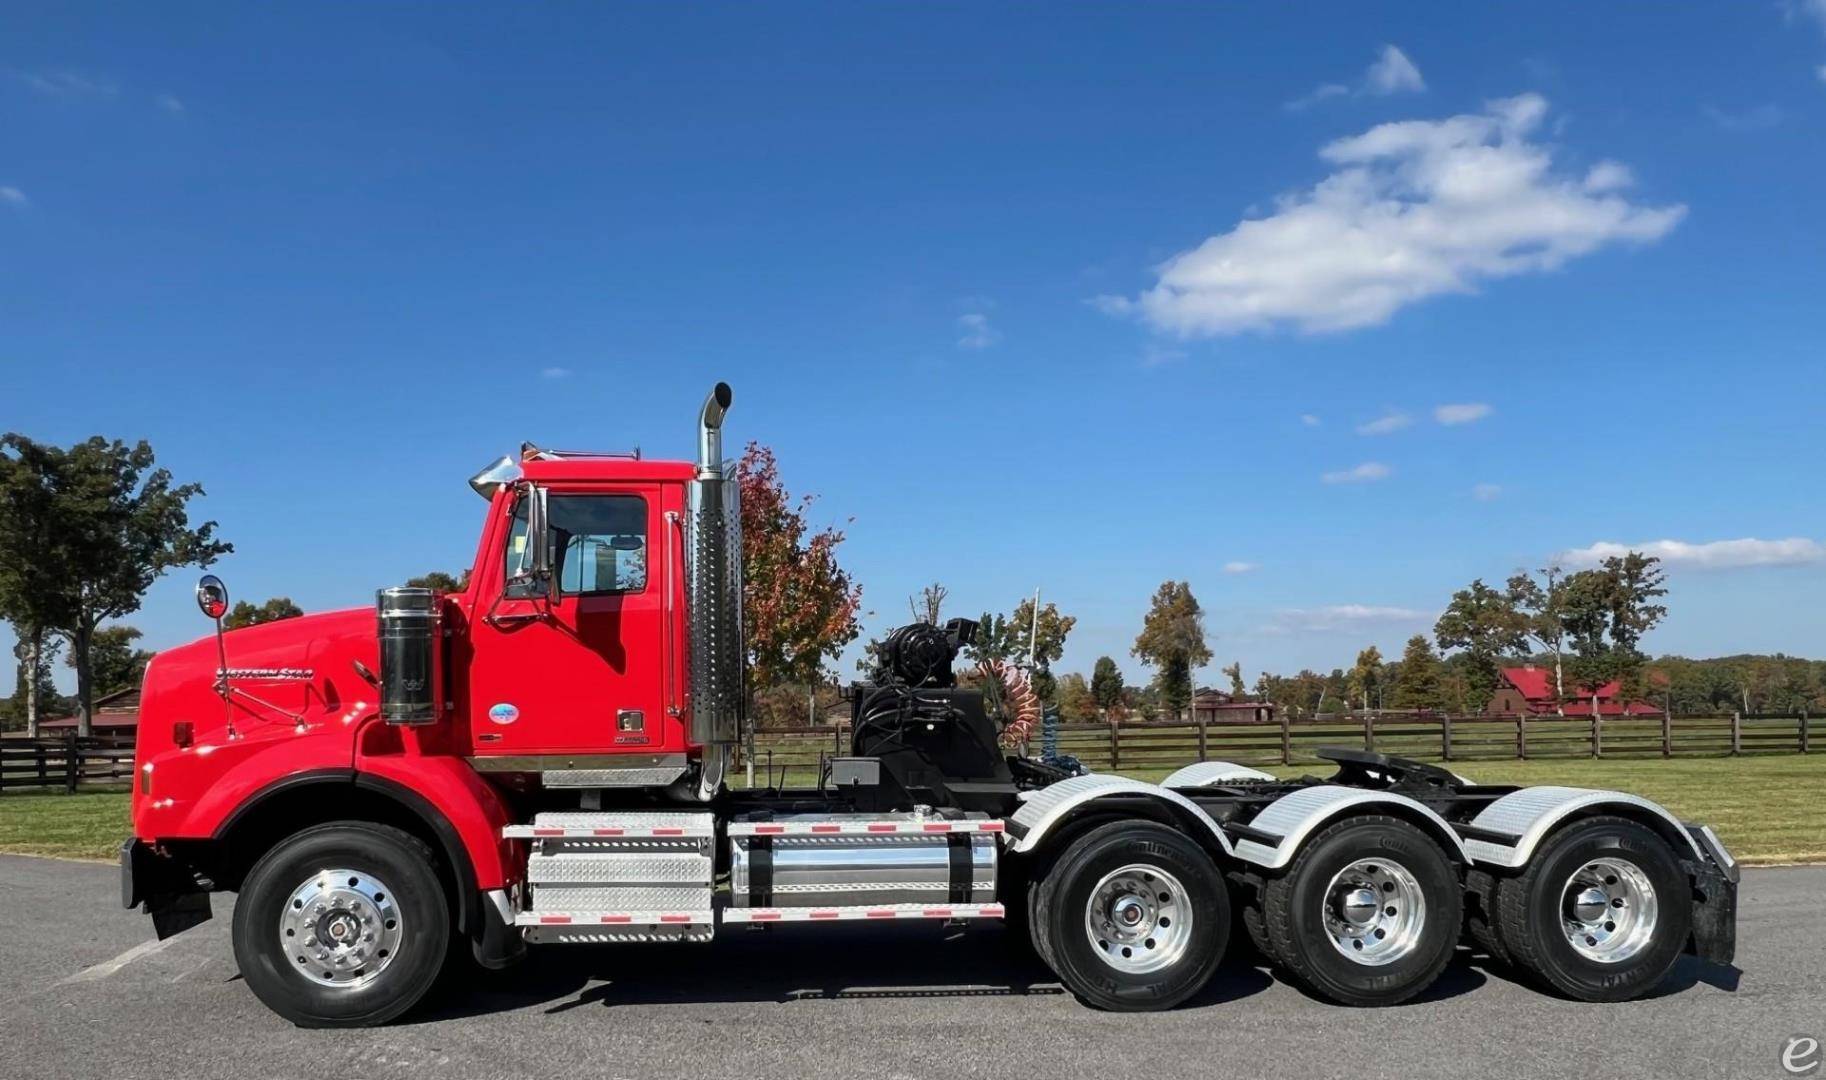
pixel 675 918
pixel 764 916
pixel 937 913
pixel 884 828
pixel 554 918
pixel 882 914
pixel 824 914
pixel 939 826
pixel 618 918
pixel 992 909
pixel 770 829
pixel 548 832
pixel 991 826
pixel 827 828
pixel 668 832
pixel 607 832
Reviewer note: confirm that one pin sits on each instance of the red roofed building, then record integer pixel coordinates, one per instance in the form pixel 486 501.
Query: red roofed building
pixel 1528 691
pixel 115 714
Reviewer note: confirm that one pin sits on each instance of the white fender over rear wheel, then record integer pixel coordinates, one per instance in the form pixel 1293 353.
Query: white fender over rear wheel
pixel 1600 913
pixel 1367 913
pixel 1133 916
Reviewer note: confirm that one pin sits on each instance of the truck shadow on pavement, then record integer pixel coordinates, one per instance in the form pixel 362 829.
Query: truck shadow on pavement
pixel 786 964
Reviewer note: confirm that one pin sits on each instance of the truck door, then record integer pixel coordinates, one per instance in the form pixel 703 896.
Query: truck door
pixel 584 674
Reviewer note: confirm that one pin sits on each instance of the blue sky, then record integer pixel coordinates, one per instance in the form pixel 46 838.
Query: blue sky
pixel 1029 296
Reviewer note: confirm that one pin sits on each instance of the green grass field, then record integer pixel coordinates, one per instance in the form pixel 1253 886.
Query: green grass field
pixel 1767 809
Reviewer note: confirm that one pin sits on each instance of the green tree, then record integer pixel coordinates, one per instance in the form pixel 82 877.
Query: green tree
pixel 1076 702
pixel 1486 626
pixel 30 598
pixel 1238 692
pixel 1008 637
pixel 927 606
pixel 116 525
pixel 1542 606
pixel 33 698
pixel 1106 685
pixel 1172 642
pixel 439 581
pixel 1419 679
pixel 1366 678
pixel 1606 612
pixel 116 664
pixel 800 605
pixel 274 609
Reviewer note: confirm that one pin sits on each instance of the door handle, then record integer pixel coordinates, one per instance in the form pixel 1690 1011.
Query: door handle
pixel 674 555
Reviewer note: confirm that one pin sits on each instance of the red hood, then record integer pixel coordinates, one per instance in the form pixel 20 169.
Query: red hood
pixel 284 674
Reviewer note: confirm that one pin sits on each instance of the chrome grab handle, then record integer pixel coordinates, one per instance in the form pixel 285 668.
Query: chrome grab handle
pixel 674 556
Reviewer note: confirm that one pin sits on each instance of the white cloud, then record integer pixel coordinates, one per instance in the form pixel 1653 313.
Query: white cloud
pixel 1386 424
pixel 66 84
pixel 1240 567
pixel 170 103
pixel 1756 118
pixel 1361 474
pixel 12 196
pixel 1468 413
pixel 1713 555
pixel 1156 354
pixel 1486 492
pixel 977 333
pixel 1310 420
pixel 555 373
pixel 1416 209
pixel 1342 617
pixel 1393 73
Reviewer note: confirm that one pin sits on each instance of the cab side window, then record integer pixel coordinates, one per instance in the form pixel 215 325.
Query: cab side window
pixel 598 541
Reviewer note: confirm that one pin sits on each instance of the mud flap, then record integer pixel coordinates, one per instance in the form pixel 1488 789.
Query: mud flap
pixel 1714 916
pixel 162 888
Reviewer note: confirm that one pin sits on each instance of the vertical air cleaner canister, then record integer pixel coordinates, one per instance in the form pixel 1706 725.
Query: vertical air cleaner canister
pixel 409 671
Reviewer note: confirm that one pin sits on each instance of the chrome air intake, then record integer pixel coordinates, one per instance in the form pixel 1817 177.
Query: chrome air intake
pixel 713 577
pixel 409 669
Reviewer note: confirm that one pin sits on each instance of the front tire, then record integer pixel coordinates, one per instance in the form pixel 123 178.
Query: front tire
pixel 1600 914
pixel 1133 917
pixel 342 925
pixel 1368 913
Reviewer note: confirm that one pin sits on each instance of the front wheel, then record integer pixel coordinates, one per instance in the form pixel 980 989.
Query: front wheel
pixel 1132 917
pixel 342 925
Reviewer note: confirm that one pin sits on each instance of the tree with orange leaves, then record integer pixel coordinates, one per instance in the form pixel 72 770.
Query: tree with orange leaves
pixel 799 606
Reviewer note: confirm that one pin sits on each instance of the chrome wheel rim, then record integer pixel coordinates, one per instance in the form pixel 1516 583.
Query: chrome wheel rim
pixel 1374 912
pixel 341 927
pixel 1139 919
pixel 1608 910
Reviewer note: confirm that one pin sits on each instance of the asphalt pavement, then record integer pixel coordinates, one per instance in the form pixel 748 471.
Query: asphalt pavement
pixel 87 993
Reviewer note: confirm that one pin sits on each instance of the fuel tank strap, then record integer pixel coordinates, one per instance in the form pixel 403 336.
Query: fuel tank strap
pixel 962 869
pixel 761 872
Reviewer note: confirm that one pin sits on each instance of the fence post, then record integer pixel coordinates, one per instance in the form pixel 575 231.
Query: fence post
pixel 1804 747
pixel 1201 742
pixel 1597 736
pixel 1737 733
pixel 1286 742
pixel 1521 738
pixel 72 764
pixel 1667 733
pixel 1115 747
pixel 1369 731
pixel 1445 737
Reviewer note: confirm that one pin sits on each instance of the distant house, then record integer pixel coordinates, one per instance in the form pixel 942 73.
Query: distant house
pixel 1528 691
pixel 115 714
pixel 1216 707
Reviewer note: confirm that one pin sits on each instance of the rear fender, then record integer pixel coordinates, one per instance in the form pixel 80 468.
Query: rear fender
pixel 1530 814
pixel 1044 809
pixel 1275 836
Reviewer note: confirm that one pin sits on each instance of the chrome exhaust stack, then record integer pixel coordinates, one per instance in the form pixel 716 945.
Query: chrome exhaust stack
pixel 713 582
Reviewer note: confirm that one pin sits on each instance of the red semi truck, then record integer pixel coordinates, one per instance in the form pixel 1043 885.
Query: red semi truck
pixel 540 759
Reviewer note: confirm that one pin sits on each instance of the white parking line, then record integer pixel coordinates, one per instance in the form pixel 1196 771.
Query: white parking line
pixel 109 967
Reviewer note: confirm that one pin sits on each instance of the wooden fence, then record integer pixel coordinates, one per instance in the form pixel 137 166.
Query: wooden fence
pixel 1170 744
pixel 65 762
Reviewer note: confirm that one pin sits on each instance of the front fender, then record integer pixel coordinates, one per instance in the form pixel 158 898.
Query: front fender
pixel 449 788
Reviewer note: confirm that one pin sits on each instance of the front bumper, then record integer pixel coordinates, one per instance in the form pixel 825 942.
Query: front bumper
pixel 162 887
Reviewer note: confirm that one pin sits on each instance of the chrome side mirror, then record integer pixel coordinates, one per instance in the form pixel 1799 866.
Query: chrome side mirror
pixel 535 575
pixel 212 597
